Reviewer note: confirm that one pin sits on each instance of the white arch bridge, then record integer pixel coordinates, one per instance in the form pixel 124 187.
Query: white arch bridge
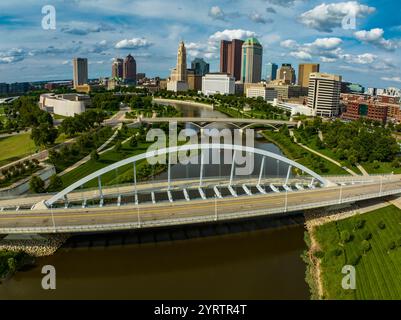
pixel 197 200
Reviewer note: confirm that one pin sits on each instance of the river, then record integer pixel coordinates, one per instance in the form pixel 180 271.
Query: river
pixel 256 259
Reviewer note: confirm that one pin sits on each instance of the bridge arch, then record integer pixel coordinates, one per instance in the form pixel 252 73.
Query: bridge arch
pixel 62 194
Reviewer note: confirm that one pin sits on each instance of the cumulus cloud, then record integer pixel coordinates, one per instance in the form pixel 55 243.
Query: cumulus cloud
pixel 301 55
pixel 282 3
pixel 80 28
pixel 134 43
pixel 327 43
pixel 392 79
pixel 271 10
pixel 12 56
pixel 217 13
pixel 258 18
pixel 326 17
pixel 231 34
pixel 376 37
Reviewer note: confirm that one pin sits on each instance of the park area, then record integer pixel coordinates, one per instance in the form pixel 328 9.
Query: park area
pixel 372 243
pixel 15 147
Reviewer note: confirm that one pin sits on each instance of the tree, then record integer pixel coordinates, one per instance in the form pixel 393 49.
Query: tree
pixel 44 134
pixel 94 155
pixel 36 185
pixel 56 183
pixel 133 142
pixel 117 147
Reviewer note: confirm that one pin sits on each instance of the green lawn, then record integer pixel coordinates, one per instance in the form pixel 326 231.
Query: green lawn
pixel 16 147
pixel 106 159
pixel 302 156
pixel 384 167
pixel 378 272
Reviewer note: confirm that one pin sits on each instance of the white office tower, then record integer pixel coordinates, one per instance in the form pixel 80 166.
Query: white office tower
pixel 324 94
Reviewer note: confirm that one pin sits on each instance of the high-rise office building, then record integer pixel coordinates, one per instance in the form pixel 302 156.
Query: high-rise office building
pixel 271 71
pixel 252 53
pixel 129 70
pixel 117 68
pixel 324 94
pixel 200 67
pixel 230 57
pixel 286 73
pixel 80 71
pixel 304 71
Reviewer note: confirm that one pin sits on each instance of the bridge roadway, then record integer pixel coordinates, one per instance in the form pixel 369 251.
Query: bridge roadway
pixel 196 211
pixel 217 120
pixel 79 195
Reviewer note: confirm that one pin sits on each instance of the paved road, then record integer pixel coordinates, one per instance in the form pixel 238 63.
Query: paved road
pixel 165 212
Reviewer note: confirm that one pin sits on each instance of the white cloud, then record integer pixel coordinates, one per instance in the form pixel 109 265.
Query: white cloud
pixel 301 55
pixel 231 34
pixel 12 56
pixel 289 44
pixel 83 28
pixel 134 43
pixel 327 43
pixel 375 37
pixel 326 17
pixel 392 79
pixel 217 13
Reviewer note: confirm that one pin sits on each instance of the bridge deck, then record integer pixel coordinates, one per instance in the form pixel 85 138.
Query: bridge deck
pixel 166 213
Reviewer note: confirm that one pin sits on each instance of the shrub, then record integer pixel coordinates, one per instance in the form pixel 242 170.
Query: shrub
pixel 366 235
pixel 36 185
pixel 319 254
pixel 398 242
pixel 336 252
pixel 365 246
pixel 392 245
pixel 94 155
pixel 381 225
pixel 345 236
pixel 354 259
pixel 359 224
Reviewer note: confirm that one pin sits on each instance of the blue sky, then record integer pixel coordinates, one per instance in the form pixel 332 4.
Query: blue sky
pixel 291 31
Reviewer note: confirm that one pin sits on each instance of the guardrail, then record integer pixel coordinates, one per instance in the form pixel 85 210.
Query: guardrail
pixel 213 217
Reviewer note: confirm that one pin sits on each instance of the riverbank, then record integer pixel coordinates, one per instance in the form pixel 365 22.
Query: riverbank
pixel 33 245
pixel 365 236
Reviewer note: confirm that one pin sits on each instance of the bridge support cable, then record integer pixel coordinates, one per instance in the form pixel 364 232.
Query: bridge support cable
pixel 153 197
pixel 261 170
pixel 232 168
pixel 65 202
pixel 169 173
pixel 170 196
pixel 311 186
pixel 99 182
pixel 246 189
pixel 135 187
pixel 232 191
pixel 288 175
pixel 202 193
pixel 261 190
pixel 201 168
pixel 278 168
pixel 217 192
pixel 186 195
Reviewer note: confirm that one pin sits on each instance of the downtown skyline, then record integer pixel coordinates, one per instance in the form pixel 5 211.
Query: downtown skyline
pixel 103 29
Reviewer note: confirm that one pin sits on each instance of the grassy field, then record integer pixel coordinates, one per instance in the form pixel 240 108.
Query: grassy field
pixel 383 167
pixel 106 159
pixel 16 147
pixel 378 270
pixel 300 155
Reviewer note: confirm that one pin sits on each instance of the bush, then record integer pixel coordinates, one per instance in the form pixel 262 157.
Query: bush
pixel 366 235
pixel 36 185
pixel 359 224
pixel 94 155
pixel 345 236
pixel 398 242
pixel 381 225
pixel 55 184
pixel 336 252
pixel 365 246
pixel 354 259
pixel 319 254
pixel 392 245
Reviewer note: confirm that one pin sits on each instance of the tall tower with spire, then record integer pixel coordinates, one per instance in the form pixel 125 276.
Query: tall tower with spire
pixel 179 75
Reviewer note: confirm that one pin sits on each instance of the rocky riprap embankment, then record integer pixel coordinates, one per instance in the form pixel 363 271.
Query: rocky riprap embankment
pixel 44 245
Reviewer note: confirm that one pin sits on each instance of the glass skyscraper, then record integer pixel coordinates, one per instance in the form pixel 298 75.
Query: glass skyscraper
pixel 271 71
